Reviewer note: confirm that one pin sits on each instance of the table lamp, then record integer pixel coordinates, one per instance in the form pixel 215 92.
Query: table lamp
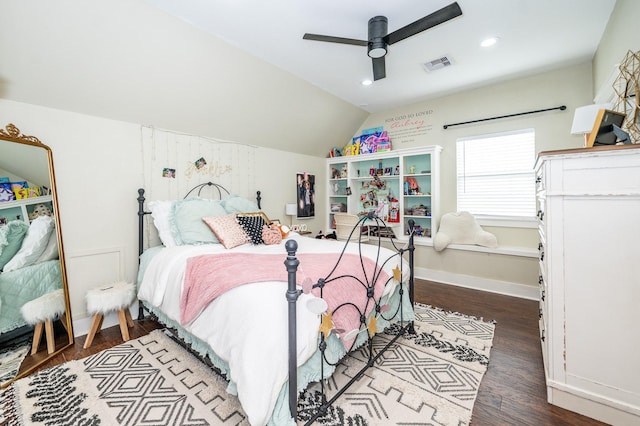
pixel 291 209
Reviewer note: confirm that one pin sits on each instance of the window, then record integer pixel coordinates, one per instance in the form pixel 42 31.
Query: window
pixel 495 176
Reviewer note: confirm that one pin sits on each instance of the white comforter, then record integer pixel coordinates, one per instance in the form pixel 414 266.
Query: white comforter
pixel 247 326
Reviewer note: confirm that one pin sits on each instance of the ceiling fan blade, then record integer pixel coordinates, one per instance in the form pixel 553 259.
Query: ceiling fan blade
pixel 429 21
pixel 379 69
pixel 331 39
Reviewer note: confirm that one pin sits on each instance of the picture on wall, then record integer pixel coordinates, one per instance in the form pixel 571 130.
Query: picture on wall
pixel 305 185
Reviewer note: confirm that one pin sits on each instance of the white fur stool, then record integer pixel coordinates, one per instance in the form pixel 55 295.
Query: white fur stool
pixel 42 312
pixel 109 298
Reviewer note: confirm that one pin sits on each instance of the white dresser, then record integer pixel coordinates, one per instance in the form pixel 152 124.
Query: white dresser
pixel 589 225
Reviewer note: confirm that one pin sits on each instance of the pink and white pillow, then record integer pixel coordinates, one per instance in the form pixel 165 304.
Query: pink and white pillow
pixel 227 229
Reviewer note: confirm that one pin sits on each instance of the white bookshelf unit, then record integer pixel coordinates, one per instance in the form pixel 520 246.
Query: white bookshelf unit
pixel 362 183
pixel 21 209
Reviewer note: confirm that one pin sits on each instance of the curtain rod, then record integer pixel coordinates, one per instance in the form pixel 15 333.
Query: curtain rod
pixel 561 108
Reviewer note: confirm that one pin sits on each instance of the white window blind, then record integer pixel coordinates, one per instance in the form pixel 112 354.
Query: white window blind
pixel 495 175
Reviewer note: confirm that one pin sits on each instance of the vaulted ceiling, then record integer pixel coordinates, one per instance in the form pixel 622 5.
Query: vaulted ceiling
pixel 533 36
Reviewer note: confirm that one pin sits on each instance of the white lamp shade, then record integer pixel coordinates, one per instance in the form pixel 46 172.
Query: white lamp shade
pixel 584 118
pixel 291 209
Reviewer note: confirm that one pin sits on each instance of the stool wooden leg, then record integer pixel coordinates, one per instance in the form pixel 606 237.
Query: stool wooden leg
pixel 37 335
pixel 127 313
pixel 63 320
pixel 96 323
pixel 51 340
pixel 122 319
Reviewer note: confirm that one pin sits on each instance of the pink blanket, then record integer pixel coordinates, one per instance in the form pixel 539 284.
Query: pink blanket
pixel 210 275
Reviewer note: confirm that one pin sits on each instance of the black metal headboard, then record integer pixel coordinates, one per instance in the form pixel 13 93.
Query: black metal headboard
pixel 198 188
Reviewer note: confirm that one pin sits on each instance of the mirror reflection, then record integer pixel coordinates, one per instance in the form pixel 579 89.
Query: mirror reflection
pixel 35 320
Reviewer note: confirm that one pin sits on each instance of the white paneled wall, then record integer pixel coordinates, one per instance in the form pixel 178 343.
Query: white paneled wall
pixel 229 164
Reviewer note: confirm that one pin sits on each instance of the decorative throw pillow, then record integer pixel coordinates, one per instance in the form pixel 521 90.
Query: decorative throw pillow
pixel 51 251
pixel 271 234
pixel 11 236
pixel 256 213
pixel 187 226
pixel 227 229
pixel 33 244
pixel 462 228
pixel 252 225
pixel 160 212
pixel 236 204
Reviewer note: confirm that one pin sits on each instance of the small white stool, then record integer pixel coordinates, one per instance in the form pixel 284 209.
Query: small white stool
pixel 42 312
pixel 108 298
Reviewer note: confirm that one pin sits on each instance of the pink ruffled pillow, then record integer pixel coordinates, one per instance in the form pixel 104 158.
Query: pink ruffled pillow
pixel 271 234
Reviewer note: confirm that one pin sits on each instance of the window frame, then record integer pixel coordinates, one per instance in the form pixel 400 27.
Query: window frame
pixel 493 219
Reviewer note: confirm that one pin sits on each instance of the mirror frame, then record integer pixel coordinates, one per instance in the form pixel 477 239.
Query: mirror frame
pixel 13 134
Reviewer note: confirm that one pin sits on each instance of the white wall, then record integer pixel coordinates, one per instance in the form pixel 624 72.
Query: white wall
pixel 621 35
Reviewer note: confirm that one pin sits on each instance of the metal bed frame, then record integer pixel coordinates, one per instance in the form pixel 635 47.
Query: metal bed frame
pixel 291 264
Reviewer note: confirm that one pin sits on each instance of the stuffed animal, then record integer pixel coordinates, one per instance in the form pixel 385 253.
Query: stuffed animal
pixel 462 228
pixel 271 234
pixel 284 229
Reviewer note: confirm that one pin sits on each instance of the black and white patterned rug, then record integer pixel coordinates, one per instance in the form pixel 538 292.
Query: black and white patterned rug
pixel 11 356
pixel 430 378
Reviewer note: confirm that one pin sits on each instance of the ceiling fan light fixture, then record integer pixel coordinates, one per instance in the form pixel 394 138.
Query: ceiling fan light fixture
pixel 377 52
pixel 377 46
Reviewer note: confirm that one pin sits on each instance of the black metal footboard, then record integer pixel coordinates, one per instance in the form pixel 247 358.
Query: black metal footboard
pixel 292 294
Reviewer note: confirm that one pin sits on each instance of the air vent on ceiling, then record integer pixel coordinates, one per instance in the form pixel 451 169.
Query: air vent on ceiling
pixel 437 64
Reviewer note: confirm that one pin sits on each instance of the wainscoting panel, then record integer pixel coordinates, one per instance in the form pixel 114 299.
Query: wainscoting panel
pixel 85 270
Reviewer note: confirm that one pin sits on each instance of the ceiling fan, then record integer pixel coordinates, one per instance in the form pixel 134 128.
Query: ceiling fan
pixel 378 39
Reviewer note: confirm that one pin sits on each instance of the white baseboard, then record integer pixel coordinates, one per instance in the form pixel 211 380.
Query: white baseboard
pixel 494 286
pixel 82 326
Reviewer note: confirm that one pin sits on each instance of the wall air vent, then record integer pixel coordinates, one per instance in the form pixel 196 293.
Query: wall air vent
pixel 437 64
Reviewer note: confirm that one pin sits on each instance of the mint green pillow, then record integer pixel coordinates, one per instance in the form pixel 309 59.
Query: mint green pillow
pixel 236 204
pixel 187 224
pixel 11 236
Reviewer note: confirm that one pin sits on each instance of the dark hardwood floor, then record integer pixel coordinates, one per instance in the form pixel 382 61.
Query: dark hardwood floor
pixel 511 393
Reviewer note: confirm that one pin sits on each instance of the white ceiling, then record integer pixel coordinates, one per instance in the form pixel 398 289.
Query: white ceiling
pixel 535 36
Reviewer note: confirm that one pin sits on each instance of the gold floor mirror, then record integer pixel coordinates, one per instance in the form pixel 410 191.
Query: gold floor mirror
pixel 35 315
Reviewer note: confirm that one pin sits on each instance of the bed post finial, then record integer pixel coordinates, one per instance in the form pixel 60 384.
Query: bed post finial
pixel 293 293
pixel 258 199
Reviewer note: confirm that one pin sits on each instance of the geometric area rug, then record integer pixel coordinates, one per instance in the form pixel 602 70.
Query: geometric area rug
pixel 12 354
pixel 430 378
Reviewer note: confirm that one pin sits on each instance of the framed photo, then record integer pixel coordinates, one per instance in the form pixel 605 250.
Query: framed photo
pixel 603 128
pixel 305 190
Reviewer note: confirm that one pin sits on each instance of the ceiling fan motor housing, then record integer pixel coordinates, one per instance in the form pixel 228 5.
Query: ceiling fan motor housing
pixel 377 46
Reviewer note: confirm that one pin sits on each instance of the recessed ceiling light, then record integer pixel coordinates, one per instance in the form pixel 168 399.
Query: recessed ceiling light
pixel 366 82
pixel 489 41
